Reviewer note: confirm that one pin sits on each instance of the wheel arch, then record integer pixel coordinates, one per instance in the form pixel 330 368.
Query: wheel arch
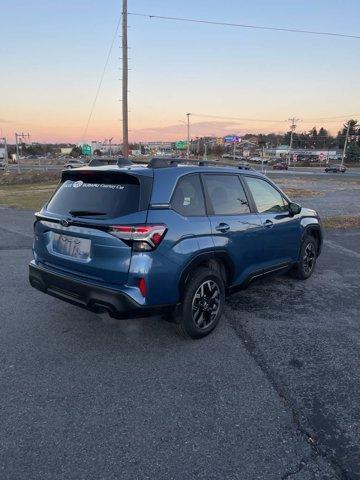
pixel 216 260
pixel 315 231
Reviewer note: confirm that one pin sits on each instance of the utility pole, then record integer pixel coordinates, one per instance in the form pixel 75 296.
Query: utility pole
pixel 188 135
pixel 205 150
pixel 345 144
pixel 292 129
pixel 125 71
pixel 20 137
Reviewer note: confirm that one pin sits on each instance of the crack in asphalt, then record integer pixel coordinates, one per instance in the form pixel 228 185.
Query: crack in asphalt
pixel 301 422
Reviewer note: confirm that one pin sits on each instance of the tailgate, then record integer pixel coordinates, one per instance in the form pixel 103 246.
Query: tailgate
pixel 71 232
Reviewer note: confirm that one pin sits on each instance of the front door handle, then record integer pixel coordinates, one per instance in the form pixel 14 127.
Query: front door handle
pixel 222 227
pixel 268 224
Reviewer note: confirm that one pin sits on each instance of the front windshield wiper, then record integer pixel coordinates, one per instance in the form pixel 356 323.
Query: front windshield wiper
pixel 85 213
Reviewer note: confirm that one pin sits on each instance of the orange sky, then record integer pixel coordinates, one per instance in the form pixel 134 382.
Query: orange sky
pixel 50 78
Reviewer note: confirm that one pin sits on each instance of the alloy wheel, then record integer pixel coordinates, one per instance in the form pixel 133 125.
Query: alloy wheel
pixel 206 304
pixel 309 257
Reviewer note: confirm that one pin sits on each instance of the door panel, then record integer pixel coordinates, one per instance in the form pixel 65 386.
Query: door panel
pixel 243 241
pixel 235 228
pixel 282 232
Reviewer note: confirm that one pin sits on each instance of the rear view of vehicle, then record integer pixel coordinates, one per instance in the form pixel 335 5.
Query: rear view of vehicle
pixel 86 236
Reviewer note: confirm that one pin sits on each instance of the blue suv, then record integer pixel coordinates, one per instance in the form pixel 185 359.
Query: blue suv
pixel 171 238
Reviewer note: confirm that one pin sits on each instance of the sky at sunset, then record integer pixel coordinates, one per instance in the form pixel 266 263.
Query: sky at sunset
pixel 232 80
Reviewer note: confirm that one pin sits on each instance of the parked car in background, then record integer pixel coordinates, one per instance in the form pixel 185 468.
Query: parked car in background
pixel 336 168
pixel 280 166
pixel 74 163
pixel 230 156
pixel 258 160
pixel 167 238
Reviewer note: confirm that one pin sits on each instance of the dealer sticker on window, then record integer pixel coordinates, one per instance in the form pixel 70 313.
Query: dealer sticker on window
pixel 81 184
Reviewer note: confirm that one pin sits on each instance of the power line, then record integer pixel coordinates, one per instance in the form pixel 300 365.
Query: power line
pixel 101 80
pixel 239 25
pixel 334 119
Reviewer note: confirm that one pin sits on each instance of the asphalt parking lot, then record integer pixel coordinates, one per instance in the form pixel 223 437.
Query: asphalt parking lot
pixel 272 394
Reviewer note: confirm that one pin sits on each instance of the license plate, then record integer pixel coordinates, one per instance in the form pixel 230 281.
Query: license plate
pixel 71 246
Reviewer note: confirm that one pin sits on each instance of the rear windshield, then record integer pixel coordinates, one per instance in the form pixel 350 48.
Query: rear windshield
pixel 99 196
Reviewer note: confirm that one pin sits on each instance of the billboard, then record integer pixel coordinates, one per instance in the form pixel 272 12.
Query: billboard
pixel 232 139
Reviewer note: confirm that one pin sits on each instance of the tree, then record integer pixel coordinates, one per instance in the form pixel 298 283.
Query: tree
pixel 353 153
pixel 218 150
pixel 323 138
pixel 76 152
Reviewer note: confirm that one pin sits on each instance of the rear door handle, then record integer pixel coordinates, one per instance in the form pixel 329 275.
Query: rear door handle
pixel 222 227
pixel 268 224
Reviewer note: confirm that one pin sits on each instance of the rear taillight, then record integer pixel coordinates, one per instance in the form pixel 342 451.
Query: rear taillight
pixel 142 286
pixel 140 237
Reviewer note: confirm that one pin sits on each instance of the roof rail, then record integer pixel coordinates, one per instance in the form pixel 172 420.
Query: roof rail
pixel 101 161
pixel 174 162
pixel 214 163
pixel 163 162
pixel 207 163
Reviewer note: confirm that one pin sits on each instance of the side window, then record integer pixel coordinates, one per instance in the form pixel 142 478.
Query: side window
pixel 226 194
pixel 188 198
pixel 266 197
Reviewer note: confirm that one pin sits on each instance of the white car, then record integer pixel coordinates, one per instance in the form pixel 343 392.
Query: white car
pixel 74 163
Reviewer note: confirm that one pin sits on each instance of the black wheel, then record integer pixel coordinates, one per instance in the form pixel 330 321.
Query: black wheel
pixel 202 304
pixel 307 259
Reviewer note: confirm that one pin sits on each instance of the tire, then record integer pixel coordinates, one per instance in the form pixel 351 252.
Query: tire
pixel 204 293
pixel 307 259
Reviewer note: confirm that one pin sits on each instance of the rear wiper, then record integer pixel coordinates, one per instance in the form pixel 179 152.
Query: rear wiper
pixel 85 213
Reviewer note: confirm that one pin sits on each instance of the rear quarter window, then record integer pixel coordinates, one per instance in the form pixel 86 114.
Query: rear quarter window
pixel 109 195
pixel 188 198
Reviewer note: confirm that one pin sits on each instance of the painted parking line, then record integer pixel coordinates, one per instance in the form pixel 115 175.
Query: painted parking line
pixel 341 249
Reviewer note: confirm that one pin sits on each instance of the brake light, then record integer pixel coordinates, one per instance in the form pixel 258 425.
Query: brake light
pixel 142 287
pixel 140 237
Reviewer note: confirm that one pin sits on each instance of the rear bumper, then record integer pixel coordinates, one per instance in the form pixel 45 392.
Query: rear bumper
pixel 88 295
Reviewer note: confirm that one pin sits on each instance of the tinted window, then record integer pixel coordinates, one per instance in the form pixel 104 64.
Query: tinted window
pixel 110 195
pixel 188 199
pixel 226 194
pixel 266 197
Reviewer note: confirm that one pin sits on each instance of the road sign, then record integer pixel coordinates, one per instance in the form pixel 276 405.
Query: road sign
pixel 180 145
pixel 232 139
pixel 86 149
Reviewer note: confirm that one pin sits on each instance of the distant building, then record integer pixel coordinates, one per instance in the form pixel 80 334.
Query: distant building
pixel 66 150
pixel 158 148
pixel 283 151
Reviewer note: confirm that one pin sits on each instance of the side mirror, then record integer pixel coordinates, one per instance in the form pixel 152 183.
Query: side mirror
pixel 294 209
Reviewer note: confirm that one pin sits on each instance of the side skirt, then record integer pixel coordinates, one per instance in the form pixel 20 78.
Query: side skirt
pixel 275 270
